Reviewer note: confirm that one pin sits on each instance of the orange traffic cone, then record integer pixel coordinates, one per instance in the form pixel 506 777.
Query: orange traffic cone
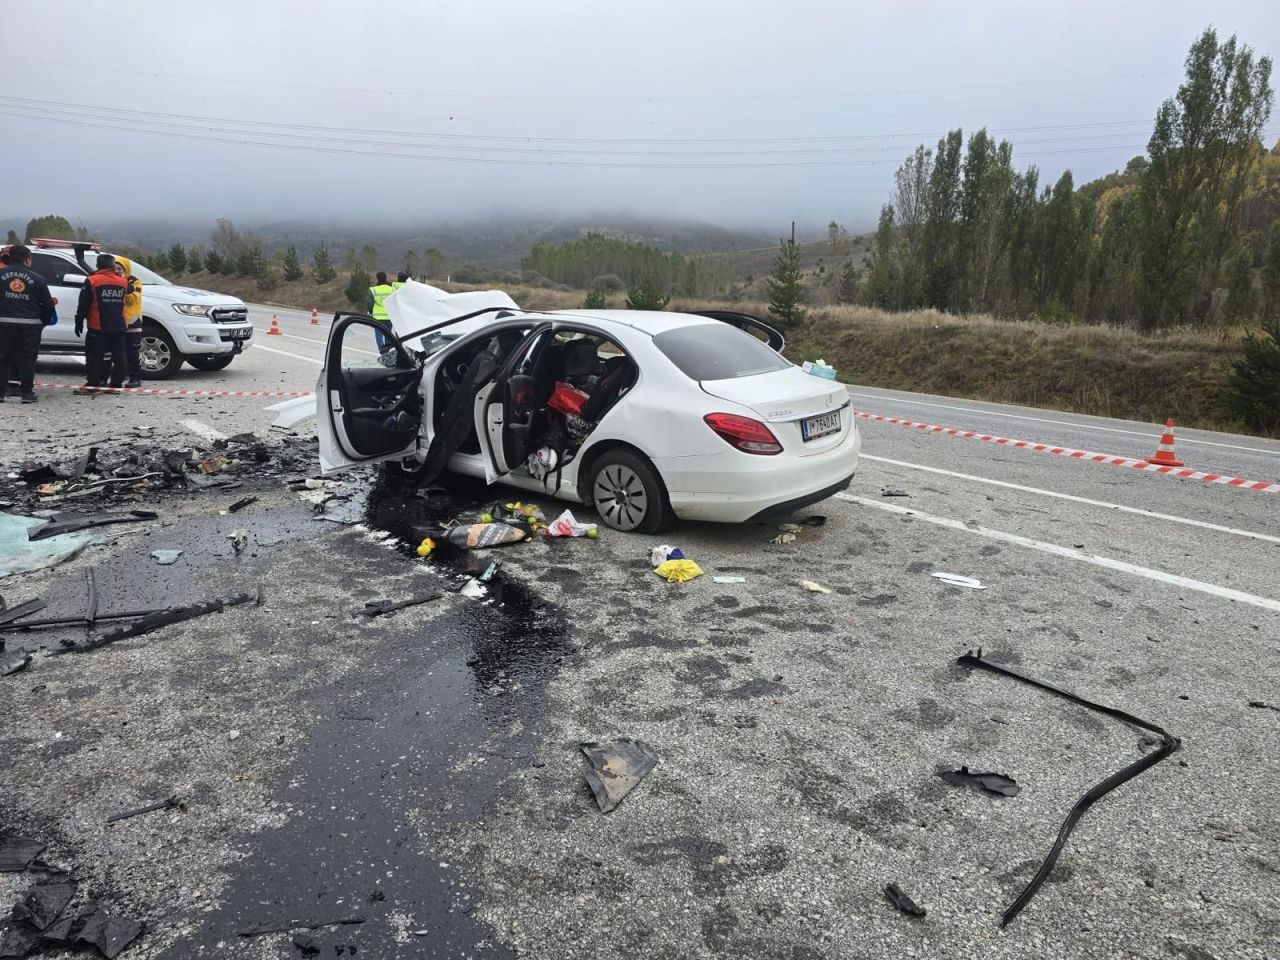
pixel 1164 455
pixel 275 327
pixel 315 319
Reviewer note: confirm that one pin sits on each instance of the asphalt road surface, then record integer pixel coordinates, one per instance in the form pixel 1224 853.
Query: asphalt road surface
pixel 422 770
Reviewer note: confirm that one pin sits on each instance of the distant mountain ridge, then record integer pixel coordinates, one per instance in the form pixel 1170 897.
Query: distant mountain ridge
pixel 492 242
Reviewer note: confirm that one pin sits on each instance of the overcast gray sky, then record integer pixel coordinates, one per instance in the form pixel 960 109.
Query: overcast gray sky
pixel 421 111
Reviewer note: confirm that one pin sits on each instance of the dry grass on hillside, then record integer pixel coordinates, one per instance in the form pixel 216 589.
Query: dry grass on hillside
pixel 1107 371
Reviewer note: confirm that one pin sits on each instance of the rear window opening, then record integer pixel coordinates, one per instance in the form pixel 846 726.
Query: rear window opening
pixel 717 351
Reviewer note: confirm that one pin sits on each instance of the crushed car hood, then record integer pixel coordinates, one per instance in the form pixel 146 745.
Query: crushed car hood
pixel 781 395
pixel 415 306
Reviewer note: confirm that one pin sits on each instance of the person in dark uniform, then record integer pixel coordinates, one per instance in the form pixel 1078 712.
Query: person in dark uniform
pixel 26 308
pixel 101 307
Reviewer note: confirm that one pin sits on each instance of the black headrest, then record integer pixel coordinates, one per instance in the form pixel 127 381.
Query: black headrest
pixel 580 358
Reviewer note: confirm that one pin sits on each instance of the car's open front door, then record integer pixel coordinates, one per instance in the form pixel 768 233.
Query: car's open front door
pixel 507 408
pixel 368 407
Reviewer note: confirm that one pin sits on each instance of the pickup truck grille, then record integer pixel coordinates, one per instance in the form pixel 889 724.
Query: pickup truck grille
pixel 229 314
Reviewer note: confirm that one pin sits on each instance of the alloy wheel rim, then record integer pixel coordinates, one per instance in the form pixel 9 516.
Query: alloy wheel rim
pixel 620 497
pixel 154 354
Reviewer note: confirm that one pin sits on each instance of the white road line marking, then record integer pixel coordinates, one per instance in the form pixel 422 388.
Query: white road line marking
pixel 1062 423
pixel 1074 499
pixel 322 343
pixel 286 353
pixel 203 430
pixel 1069 553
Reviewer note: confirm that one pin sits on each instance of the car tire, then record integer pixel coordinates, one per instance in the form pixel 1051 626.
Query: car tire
pixel 212 363
pixel 159 355
pixel 628 494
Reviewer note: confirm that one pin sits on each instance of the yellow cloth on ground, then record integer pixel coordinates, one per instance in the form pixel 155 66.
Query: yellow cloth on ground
pixel 678 571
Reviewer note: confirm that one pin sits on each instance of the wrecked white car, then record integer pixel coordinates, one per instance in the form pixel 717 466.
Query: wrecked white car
pixel 647 416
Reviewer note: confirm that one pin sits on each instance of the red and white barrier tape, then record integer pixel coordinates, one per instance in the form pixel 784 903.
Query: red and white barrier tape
pixel 1106 458
pixel 155 392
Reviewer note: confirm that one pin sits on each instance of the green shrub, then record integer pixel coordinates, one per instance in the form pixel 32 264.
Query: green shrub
pixel 1253 391
pixel 596 299
pixel 646 296
pixel 357 289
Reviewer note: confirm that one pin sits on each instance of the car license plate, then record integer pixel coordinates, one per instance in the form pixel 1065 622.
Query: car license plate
pixel 243 334
pixel 822 426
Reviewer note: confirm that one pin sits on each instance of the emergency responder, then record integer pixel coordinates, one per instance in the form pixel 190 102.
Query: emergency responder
pixel 401 279
pixel 26 308
pixel 377 305
pixel 132 320
pixel 101 307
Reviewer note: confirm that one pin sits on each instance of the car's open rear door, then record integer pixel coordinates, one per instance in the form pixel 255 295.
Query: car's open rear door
pixel 368 407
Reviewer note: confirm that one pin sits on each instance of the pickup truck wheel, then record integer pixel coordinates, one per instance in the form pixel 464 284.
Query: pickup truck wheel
pixel 160 357
pixel 212 363
pixel 628 494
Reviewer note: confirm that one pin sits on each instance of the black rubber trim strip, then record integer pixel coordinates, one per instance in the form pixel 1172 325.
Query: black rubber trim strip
pixel 1169 744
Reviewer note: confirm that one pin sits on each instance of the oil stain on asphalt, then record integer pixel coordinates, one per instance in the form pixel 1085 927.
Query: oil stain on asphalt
pixel 414 733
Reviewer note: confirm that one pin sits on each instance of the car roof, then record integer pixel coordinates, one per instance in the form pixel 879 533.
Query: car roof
pixel 652 322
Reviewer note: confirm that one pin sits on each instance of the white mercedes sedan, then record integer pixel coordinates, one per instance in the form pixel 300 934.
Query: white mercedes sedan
pixel 646 416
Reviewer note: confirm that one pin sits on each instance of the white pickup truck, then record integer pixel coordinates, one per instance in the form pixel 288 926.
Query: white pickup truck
pixel 179 324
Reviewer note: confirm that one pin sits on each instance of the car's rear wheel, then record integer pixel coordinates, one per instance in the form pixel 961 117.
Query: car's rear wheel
pixel 158 353
pixel 212 363
pixel 628 494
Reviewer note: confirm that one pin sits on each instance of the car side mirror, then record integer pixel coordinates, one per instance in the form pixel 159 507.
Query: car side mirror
pixel 521 388
pixel 72 280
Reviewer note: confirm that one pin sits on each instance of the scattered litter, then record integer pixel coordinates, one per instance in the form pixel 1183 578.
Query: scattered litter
pixel 473 588
pixel 162 618
pixel 239 540
pixel 300 925
pixel 16 853
pixel 659 555
pixel 13 661
pixel 566 526
pixel 892 492
pixel 785 537
pixel 813 587
pixel 1263 705
pixel 996 783
pixel 814 520
pixel 311 483
pixel 22 553
pixel 376 608
pixel 677 571
pixel 490 571
pixel 44 903
pixel 306 944
pixel 729 579
pixel 62 523
pixel 542 463
pixel 425 547
pixel 615 768
pixel 958 580
pixel 233 735
pixel 241 504
pixel 1170 744
pixel 902 901
pixel 22 610
pixel 166 557
pixel 95 927
pixel 790 528
pixel 478 536
pixel 819 368
pixel 211 465
pixel 167 804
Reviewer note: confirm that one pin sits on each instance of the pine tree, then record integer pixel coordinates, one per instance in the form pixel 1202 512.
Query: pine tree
pixel 1271 274
pixel 646 296
pixel 357 289
pixel 786 292
pixel 292 268
pixel 596 299
pixel 213 261
pixel 321 265
pixel 195 260
pixel 1253 392
pixel 177 258
pixel 12 238
pixel 847 290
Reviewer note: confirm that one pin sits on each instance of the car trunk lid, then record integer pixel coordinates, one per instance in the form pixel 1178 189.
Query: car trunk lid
pixel 787 400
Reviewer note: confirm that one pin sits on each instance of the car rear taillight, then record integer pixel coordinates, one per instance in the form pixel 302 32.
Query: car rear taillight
pixel 747 435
